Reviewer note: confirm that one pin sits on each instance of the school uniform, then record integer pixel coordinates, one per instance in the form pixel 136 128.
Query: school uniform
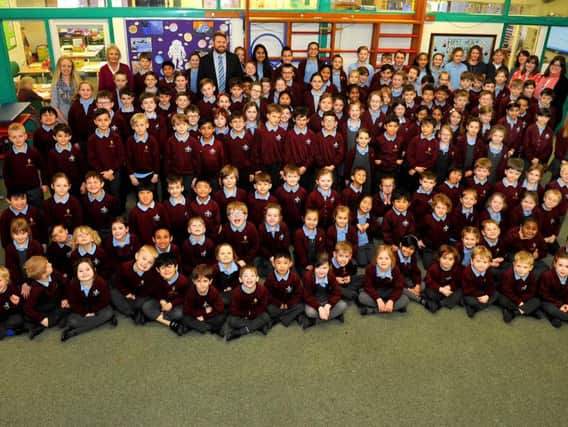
pixel 325 203
pixel 143 220
pixel 182 158
pixel 554 294
pixel 106 152
pixel 212 158
pixel 100 211
pixel 225 280
pixel 59 255
pixel 25 170
pixel 512 192
pixel 84 300
pixel 239 148
pixel 307 245
pixel 329 149
pixel 209 211
pixel 244 240
pixel 514 244
pixel 143 157
pixel 411 274
pixel 476 284
pixel 357 157
pixel 284 290
pixel 248 312
pixel 44 301
pixel 388 151
pixel 381 205
pixel 420 206
pixel 387 286
pixel 67 211
pixel 396 225
pixel 422 152
pixel 43 140
pixel 80 118
pixel 195 305
pixel 206 107
pixel 460 218
pixel 299 147
pixel 256 205
pixel 453 191
pixel 347 234
pixel 483 189
pixel 268 150
pixel 31 214
pixel 16 256
pixel 172 291
pixel 178 214
pixel 98 257
pixel 537 143
pixel 350 290
pixel 70 161
pixel 319 292
pixel 140 284
pixel 119 252
pixel 196 251
pixel 10 314
pixel 436 233
pixel 436 278
pixel 557 184
pixel 292 201
pixel 516 290
pixel 468 150
pixel 273 239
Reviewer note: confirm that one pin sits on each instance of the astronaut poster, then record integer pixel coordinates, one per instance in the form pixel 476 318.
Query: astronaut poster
pixel 171 39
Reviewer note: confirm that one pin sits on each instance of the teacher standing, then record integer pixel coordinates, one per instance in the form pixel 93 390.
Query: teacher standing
pixel 113 64
pixel 219 65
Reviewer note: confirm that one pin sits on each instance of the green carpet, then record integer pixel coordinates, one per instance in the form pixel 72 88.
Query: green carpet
pixel 408 369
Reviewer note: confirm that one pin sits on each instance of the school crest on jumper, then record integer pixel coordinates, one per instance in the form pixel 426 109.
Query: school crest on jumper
pixel 336 145
pixel 212 151
pixel 187 149
pixel 297 200
pixel 156 218
pixel 71 158
pixel 405 223
pixel 289 289
pixel 245 147
pixel 96 293
pixel 308 141
pixel 104 210
pixel 208 213
pixel 6 306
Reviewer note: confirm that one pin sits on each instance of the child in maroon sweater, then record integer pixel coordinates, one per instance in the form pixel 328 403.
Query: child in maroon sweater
pixel 443 281
pixel 63 208
pixel 345 271
pixel 398 221
pixel 157 125
pixel 299 145
pixel 274 237
pixel 408 266
pixel 241 234
pixel 135 283
pixel 211 153
pixel 383 287
pixel 163 242
pixel 284 290
pixel 322 294
pixel 18 207
pixel 24 167
pixel 538 138
pixel 553 290
pixel 527 237
pixel 81 113
pixel 142 153
pixel 21 248
pixel 259 198
pixel 329 148
pixel 291 197
pixel 518 290
pixel 239 147
pixel 323 197
pixel 422 151
pixel 342 230
pixel 66 158
pixel 248 306
pixel 147 215
pixel 205 207
pixel 58 252
pixel 477 282
pixel 309 241
pixel 197 248
pixel 86 242
pixel 43 136
pixel 121 245
pixel 105 152
pixel 88 298
pixel 203 307
pixel 99 206
pixel 269 145
pixel 11 319
pixel 510 186
pixel 208 100
pixel 43 307
pixel 436 231
pixel 180 157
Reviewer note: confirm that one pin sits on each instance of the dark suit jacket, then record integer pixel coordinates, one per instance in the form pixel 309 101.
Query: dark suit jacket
pixel 207 69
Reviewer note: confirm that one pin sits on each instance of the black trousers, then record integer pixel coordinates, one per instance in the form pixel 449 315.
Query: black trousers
pixel 528 307
pixel 242 324
pixel 287 316
pixel 439 298
pixel 208 324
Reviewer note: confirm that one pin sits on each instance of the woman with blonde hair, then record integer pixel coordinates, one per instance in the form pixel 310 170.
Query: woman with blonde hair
pixel 65 83
pixel 112 66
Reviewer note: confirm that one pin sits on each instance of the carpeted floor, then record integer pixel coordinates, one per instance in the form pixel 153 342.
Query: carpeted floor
pixel 409 369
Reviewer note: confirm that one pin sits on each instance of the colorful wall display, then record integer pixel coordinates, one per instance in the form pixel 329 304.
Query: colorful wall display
pixel 171 39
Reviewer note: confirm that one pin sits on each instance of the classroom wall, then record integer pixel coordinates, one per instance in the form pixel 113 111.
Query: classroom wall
pixel 458 28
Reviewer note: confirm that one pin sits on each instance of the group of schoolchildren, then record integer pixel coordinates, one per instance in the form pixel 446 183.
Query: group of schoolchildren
pixel 342 168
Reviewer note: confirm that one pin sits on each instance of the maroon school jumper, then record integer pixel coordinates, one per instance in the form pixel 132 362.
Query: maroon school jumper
pixel 81 122
pixel 422 152
pixel 210 213
pixel 286 291
pixel 458 220
pixel 538 145
pixel 329 149
pixel 256 207
pixel 41 295
pixel 158 128
pixel 69 161
pixel 311 290
pixel 299 147
pixel 551 289
pixel 249 306
pixel 223 200
pixel 43 140
pixel 69 212
pixel 514 134
pixel 388 152
pixel 238 152
pixel 514 243
pixel 272 244
pixel 245 242
pixel 292 201
pixel 129 282
pixel 269 147
pixel 30 214
pixel 178 215
pixel 173 293
pixel 97 298
pixel 181 158
pixel 120 254
pixel 476 287
pixel 374 285
pixel 212 158
pixel 12 257
pixel 512 193
pixel 98 257
pixel 100 211
pixel 144 220
pixel 302 254
pixel 21 169
pixel 518 290
pixel 437 278
pixel 195 304
pixel 105 152
pixel 194 252
pixel 483 189
pixel 397 225
pixel 351 238
pixel 142 155
pixel 324 205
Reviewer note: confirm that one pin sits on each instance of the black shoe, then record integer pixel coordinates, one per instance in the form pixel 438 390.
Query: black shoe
pixel 508 315
pixel 35 331
pixel 433 306
pixel 113 320
pixel 308 323
pixel 556 322
pixel 470 311
pixel 538 314
pixel 341 318
pixel 139 318
pixel 68 333
pixel 178 328
pixel 402 310
pixel 265 329
pixel 232 334
pixel 363 311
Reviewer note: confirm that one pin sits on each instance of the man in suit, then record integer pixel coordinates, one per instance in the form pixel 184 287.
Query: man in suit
pixel 219 65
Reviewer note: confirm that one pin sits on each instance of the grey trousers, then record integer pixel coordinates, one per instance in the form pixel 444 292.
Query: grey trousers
pixel 240 323
pixel 528 307
pixel 411 296
pixel 81 324
pixel 209 324
pixel 286 317
pixel 474 302
pixel 152 309
pixel 336 311
pixel 126 306
pixel 351 290
pixel 366 300
pixel 440 299
pixel 554 311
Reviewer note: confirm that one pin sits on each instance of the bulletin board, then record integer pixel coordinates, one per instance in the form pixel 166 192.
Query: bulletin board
pixel 445 43
pixel 171 39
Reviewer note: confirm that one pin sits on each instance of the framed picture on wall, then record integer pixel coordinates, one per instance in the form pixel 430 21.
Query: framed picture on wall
pixel 445 43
